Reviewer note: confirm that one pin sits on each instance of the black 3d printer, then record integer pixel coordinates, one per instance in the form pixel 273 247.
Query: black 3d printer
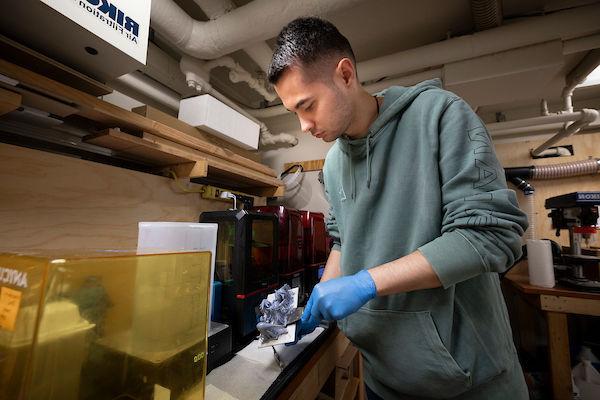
pixel 246 267
pixel 578 213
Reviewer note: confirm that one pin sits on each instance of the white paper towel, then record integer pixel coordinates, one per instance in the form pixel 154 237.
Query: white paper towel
pixel 541 267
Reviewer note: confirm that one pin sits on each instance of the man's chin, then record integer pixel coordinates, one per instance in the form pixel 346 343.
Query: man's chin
pixel 328 138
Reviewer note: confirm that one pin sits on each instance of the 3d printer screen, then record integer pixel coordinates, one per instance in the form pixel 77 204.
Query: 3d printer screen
pixel 262 253
pixel 225 249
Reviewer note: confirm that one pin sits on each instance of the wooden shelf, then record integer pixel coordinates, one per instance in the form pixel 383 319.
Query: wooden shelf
pixel 185 162
pixel 9 101
pixel 184 149
pixel 157 115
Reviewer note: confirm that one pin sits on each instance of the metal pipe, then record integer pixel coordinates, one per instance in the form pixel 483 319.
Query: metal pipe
pixel 260 52
pixel 587 117
pixel 535 121
pixel 149 87
pixel 578 75
pixel 237 74
pixel 529 131
pixel 582 70
pixel 256 21
pixel 263 18
pixel 164 69
pixel 215 8
pixel 561 25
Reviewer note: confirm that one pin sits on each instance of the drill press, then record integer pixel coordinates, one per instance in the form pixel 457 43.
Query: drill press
pixel 578 213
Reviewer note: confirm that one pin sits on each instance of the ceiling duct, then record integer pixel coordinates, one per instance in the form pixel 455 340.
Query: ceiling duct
pixel 487 14
pixel 562 25
pixel 254 22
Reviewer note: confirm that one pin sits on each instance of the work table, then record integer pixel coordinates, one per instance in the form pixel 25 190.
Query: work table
pixel 325 355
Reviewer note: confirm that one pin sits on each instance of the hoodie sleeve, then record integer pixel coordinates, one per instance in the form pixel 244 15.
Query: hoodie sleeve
pixel 482 223
pixel 332 227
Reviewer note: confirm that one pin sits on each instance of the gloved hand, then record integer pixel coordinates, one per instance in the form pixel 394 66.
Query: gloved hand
pixel 336 299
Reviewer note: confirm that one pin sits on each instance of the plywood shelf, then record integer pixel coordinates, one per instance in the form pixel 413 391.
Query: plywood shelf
pixel 9 101
pixel 168 157
pixel 157 115
pixel 165 142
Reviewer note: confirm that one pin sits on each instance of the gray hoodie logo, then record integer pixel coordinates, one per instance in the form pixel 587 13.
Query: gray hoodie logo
pixel 487 174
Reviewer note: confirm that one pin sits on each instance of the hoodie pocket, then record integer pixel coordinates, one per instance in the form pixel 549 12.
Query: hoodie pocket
pixel 403 351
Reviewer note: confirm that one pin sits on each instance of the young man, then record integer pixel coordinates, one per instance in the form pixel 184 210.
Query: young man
pixel 422 223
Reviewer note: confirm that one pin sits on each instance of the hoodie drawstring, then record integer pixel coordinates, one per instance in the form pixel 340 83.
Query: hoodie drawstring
pixel 352 181
pixel 349 172
pixel 369 161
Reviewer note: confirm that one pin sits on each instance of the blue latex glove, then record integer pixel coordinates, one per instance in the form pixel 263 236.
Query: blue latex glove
pixel 336 299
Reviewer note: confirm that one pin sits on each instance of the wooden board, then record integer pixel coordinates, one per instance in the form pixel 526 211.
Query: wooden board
pixel 9 101
pixel 157 115
pixel 51 201
pixel 519 278
pixel 351 390
pixel 309 381
pixel 570 305
pixel 41 102
pixel 517 154
pixel 134 147
pixel 186 162
pixel 560 360
pixel 113 116
pixel 229 169
pixel 347 357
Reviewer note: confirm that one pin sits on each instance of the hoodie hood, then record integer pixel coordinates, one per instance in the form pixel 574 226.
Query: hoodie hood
pixel 395 100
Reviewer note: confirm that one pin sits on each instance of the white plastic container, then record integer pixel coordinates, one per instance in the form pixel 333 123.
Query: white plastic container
pixel 541 266
pixel 174 237
pixel 207 113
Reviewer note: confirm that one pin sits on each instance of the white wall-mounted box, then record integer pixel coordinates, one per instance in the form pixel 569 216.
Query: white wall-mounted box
pixel 209 114
pixel 100 38
pixel 122 23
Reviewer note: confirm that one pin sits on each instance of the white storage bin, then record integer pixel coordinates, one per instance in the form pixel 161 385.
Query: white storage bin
pixel 207 113
pixel 173 237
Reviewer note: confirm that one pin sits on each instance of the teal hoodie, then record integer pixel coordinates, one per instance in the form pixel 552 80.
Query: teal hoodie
pixel 426 177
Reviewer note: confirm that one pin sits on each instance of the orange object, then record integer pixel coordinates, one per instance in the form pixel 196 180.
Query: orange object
pixel 10 300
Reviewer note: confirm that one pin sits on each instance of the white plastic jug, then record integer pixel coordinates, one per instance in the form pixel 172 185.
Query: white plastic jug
pixel 174 237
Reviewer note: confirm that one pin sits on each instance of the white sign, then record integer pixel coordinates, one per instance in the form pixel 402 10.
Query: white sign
pixel 13 277
pixel 122 23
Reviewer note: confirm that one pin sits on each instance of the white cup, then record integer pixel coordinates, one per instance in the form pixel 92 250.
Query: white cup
pixel 541 266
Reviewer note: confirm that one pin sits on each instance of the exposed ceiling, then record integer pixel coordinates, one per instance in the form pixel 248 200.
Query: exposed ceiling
pixel 499 81
pixel 380 27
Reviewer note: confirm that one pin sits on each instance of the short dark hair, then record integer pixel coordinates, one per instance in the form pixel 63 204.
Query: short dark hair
pixel 305 41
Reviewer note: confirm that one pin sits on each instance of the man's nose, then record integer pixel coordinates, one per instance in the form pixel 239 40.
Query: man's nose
pixel 305 124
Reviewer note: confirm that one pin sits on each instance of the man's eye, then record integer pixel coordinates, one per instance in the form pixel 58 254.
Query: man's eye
pixel 309 107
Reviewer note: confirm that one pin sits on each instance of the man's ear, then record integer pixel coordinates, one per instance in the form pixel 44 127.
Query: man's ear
pixel 346 72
